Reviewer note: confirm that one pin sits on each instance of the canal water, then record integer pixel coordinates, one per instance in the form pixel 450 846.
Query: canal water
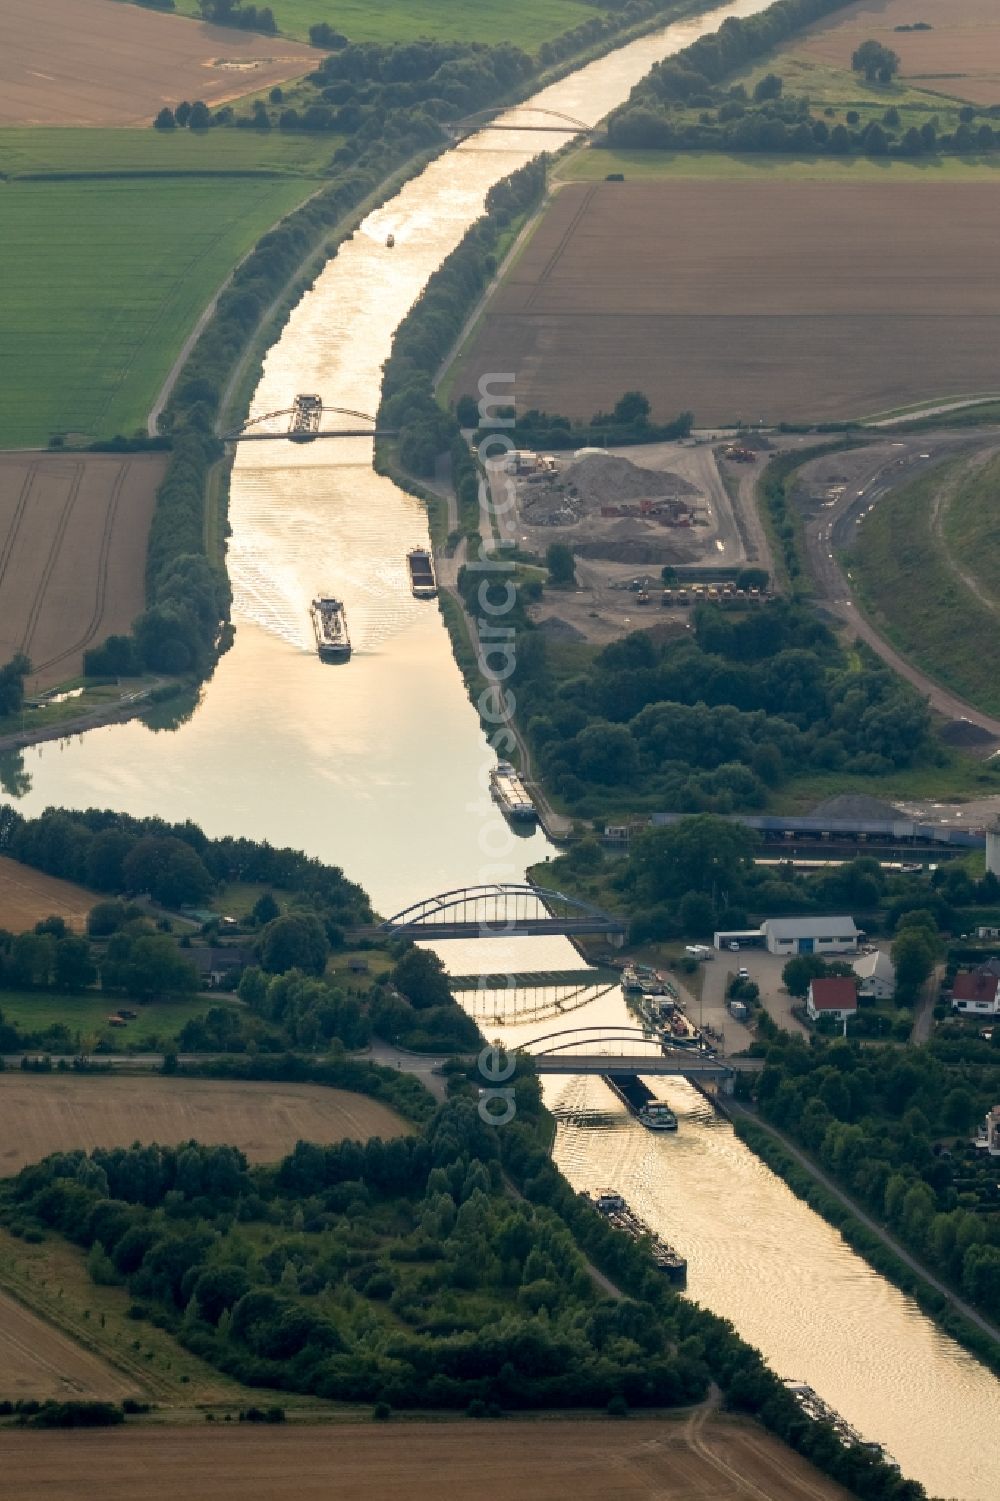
pixel 381 766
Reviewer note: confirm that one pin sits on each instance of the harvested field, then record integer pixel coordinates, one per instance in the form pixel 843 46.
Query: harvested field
pixel 27 896
pixel 42 1113
pixel 787 301
pixel 97 62
pixel 959 56
pixel 73 531
pixel 546 1461
pixel 37 1361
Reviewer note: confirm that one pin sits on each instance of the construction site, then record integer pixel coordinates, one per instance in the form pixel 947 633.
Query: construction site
pixel 653 529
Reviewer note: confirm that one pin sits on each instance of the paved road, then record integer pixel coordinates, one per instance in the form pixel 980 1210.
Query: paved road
pixel 833 528
pixel 959 1304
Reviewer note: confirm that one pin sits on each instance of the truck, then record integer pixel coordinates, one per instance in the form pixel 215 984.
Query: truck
pixel 699 951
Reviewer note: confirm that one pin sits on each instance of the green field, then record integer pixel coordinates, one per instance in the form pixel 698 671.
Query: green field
pixel 971 531
pixel 526 22
pixel 902 556
pixel 102 282
pixel 30 149
pixel 592 164
pixel 88 1015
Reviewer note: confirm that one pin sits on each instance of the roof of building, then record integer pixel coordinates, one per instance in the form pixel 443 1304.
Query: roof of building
pixel 209 960
pixel 989 967
pixel 971 985
pixel 875 966
pixel 810 927
pixel 834 993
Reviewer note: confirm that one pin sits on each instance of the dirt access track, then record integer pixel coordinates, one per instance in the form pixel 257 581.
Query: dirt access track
pixel 27 896
pixel 73 532
pixel 99 62
pixel 787 301
pixel 545 1461
pixel 43 1113
pixel 959 56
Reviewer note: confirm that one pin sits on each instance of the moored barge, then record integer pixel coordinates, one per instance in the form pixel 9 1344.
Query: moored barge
pixel 613 1207
pixel 423 583
pixel 510 793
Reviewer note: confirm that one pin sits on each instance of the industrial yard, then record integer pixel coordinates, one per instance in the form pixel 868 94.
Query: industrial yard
pixel 630 513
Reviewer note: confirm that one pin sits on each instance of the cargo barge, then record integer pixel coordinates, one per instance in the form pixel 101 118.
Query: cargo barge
pixel 423 583
pixel 818 1411
pixel 615 1210
pixel 306 414
pixel 507 789
pixel 330 627
pixel 640 1101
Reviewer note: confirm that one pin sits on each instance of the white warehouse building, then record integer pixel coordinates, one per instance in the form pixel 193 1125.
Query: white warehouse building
pixel 796 935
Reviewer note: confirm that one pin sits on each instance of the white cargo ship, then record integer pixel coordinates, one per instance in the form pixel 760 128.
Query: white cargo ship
pixel 510 792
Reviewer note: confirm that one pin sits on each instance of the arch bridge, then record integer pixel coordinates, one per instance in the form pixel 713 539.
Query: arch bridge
pixel 490 119
pixel 499 910
pixel 586 1050
pixel 302 423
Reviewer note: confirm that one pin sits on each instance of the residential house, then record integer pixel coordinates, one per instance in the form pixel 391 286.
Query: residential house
pixel 988 1139
pixel 834 996
pixel 976 993
pixel 877 974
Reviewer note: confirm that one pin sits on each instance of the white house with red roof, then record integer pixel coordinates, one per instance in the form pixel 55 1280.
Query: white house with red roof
pixel 835 996
pixel 976 992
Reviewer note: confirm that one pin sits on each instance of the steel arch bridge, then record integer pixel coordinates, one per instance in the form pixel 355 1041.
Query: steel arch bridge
pixel 581 1037
pixel 255 429
pixel 485 119
pixel 499 910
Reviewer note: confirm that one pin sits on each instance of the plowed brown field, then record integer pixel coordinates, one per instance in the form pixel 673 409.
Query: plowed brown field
pixel 787 300
pixel 27 896
pixel 959 56
pixel 543 1461
pixel 42 1113
pixel 73 532
pixel 98 62
pixel 36 1361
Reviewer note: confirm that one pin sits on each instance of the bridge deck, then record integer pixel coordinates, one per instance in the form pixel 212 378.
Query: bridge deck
pixel 540 979
pixel 692 1067
pixel 435 932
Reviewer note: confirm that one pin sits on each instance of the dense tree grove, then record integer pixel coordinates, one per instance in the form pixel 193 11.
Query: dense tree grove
pixel 175 863
pixel 893 1125
pixel 12 676
pixel 712 722
pixel 405 1273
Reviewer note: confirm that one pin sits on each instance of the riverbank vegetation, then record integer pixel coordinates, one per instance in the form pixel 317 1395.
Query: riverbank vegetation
pixel 894 1127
